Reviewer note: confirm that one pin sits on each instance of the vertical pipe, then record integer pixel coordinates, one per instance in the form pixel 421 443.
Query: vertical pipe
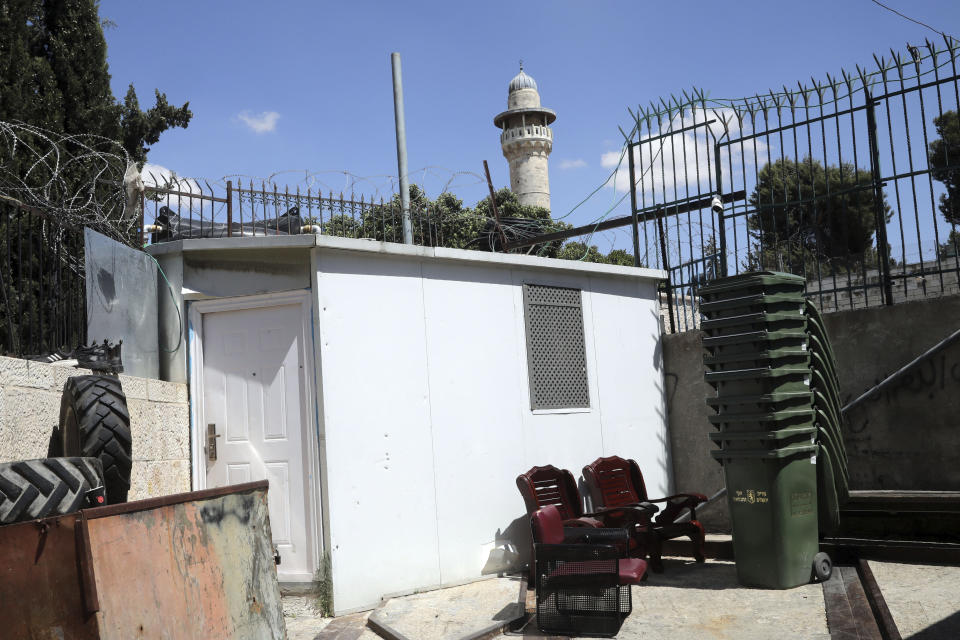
pixel 401 147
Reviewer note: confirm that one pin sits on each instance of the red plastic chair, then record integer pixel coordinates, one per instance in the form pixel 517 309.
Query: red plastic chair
pixel 550 486
pixel 616 483
pixel 582 588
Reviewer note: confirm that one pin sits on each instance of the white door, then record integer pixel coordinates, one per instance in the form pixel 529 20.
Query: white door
pixel 253 384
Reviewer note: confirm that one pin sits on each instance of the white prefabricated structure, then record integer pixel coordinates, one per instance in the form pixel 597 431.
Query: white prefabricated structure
pixel 392 394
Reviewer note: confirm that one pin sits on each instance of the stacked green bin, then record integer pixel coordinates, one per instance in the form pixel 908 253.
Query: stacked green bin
pixel 832 476
pixel 758 359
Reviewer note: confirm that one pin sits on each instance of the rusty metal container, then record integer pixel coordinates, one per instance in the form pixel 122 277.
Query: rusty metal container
pixel 186 566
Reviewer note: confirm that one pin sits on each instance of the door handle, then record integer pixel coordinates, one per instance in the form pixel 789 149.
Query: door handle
pixel 212 436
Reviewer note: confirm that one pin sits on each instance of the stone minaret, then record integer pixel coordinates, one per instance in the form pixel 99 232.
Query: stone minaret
pixel 527 140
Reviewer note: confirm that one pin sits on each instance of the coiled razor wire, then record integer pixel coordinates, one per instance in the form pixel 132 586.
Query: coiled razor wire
pixel 75 179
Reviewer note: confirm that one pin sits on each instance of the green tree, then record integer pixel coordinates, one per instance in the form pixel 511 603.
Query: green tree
pixel 520 221
pixel 441 222
pixel 54 75
pixel 445 222
pixel 620 257
pixel 580 251
pixel 944 158
pixel 804 213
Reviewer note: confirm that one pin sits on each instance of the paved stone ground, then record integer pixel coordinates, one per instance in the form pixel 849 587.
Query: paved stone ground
pixel 924 599
pixel 453 612
pixel 704 601
pixel 431 615
pixel 302 618
pixel 686 601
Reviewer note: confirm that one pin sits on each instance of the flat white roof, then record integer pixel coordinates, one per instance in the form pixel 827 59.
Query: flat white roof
pixel 310 241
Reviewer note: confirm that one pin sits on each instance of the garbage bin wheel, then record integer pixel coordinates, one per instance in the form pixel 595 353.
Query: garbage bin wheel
pixel 95 422
pixel 31 489
pixel 822 567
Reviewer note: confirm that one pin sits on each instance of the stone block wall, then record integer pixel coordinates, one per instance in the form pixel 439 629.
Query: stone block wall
pixel 159 421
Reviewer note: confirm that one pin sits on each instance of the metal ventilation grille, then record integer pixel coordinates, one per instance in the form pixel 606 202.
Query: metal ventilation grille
pixel 556 353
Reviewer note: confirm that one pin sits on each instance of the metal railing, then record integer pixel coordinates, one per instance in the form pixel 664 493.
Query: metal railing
pixel 42 294
pixel 852 183
pixel 185 209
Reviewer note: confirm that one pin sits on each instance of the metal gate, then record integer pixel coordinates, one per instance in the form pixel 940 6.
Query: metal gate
pixel 853 183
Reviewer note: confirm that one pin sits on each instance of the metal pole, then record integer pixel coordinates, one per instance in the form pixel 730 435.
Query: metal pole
pixel 722 223
pixel 666 267
pixel 229 208
pixel 633 206
pixel 879 213
pixel 401 148
pixel 946 342
pixel 493 208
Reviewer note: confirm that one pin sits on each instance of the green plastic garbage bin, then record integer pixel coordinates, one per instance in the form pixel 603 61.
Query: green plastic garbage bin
pixel 772 495
pixel 757 282
pixel 764 403
pixel 775 302
pixel 765 440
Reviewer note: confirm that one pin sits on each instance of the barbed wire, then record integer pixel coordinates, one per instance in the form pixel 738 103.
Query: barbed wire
pixel 76 179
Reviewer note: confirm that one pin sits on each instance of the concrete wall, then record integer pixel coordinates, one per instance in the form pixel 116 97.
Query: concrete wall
pixel 906 437
pixel 159 421
pixel 903 438
pixel 426 410
pixel 693 467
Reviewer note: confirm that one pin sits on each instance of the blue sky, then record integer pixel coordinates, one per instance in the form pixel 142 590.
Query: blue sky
pixel 320 71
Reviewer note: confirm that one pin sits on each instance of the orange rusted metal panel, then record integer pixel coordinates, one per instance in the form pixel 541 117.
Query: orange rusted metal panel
pixel 194 565
pixel 197 569
pixel 39 587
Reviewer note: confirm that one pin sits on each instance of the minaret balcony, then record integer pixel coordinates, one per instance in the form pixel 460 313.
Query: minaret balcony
pixel 528 132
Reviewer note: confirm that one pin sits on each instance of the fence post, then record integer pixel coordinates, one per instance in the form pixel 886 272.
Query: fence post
pixel 879 214
pixel 229 208
pixel 666 267
pixel 723 226
pixel 633 206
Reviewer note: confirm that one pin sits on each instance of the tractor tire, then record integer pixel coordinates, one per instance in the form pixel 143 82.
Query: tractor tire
pixel 94 422
pixel 32 489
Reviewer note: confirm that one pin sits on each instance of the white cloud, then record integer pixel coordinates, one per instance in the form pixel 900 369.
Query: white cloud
pixel 259 122
pixel 155 175
pixel 667 165
pixel 573 164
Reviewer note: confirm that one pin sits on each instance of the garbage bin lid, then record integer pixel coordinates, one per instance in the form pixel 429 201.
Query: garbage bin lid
pixel 758 335
pixel 764 454
pixel 751 300
pixel 758 373
pixel 788 352
pixel 765 398
pixel 752 279
pixel 749 320
pixel 785 415
pixel 777 434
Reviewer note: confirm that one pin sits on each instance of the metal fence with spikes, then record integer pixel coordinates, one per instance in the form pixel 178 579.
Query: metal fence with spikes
pixel 853 182
pixel 185 209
